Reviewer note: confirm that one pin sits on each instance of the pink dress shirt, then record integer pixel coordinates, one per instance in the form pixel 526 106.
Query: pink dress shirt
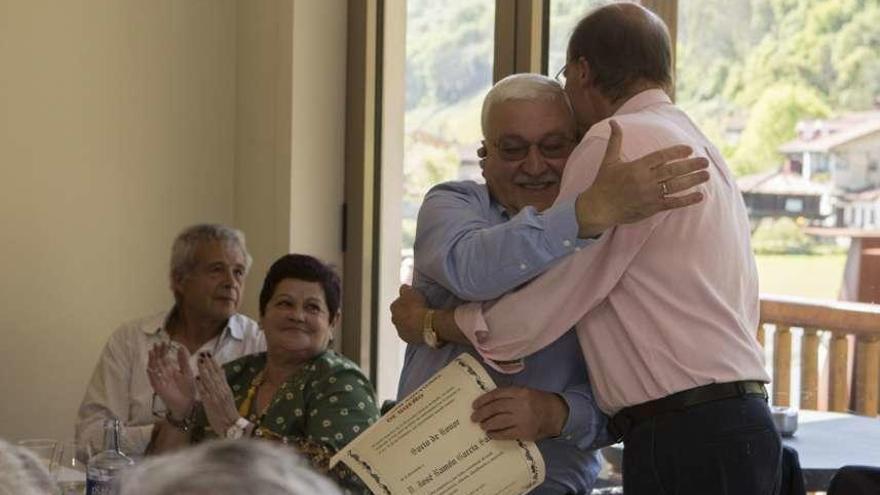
pixel 662 305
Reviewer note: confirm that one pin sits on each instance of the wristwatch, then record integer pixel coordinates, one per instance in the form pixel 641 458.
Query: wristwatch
pixel 184 424
pixel 237 429
pixel 428 334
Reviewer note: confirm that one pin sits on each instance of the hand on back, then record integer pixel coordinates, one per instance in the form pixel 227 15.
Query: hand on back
pixel 627 192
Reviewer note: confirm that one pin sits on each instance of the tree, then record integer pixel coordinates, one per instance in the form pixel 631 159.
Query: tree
pixel 854 52
pixel 772 122
pixel 735 57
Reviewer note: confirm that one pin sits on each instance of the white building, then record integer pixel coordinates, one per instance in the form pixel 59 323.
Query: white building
pixel 845 152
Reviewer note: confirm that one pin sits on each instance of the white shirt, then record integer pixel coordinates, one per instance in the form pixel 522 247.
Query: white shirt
pixel 120 387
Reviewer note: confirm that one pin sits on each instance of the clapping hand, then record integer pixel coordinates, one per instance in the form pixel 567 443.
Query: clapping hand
pixel 216 395
pixel 175 385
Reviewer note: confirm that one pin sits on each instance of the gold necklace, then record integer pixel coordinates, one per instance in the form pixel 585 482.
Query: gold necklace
pixel 245 406
pixel 248 403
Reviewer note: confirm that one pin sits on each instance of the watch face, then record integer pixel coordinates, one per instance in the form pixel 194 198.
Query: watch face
pixel 430 337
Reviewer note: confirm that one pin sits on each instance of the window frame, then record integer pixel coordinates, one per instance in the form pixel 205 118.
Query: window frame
pixel 374 150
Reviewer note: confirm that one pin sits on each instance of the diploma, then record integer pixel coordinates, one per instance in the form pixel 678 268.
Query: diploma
pixel 427 443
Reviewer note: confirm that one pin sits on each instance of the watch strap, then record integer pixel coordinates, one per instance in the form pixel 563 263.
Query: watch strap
pixel 242 423
pixel 184 424
pixel 428 333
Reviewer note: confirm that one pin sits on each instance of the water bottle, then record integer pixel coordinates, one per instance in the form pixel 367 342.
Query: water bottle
pixel 104 467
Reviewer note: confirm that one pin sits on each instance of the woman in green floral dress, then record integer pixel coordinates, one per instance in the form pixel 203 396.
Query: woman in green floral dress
pixel 299 392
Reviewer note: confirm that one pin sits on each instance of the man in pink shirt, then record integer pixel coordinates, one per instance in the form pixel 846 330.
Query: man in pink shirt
pixel 666 309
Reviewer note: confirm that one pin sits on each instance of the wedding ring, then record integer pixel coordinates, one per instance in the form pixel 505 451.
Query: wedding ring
pixel 664 190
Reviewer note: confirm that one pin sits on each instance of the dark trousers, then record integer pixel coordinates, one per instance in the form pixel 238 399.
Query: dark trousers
pixel 724 447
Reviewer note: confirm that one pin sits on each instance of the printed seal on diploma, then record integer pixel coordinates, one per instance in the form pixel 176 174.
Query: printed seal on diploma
pixel 428 444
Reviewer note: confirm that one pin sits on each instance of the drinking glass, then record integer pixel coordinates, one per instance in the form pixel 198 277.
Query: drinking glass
pixel 46 451
pixel 71 473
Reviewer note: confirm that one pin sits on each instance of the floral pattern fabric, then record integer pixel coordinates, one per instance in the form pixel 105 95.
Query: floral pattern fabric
pixel 318 410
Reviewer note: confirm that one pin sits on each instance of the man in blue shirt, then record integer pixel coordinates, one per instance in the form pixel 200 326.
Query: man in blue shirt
pixel 475 242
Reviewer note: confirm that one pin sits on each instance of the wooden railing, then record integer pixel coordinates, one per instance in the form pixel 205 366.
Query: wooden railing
pixel 819 318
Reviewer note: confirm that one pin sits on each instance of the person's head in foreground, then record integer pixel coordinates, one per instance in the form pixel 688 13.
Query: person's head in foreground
pixel 227 467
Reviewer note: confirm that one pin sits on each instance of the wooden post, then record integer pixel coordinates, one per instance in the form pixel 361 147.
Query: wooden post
pixel 810 369
pixel 838 387
pixel 519 41
pixel 867 375
pixel 668 11
pixel 782 366
pixel 760 334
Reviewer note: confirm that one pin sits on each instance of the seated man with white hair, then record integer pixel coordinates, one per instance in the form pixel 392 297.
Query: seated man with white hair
pixel 208 267
pixel 227 467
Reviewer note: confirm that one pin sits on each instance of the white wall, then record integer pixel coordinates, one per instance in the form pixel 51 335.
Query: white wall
pixel 858 155
pixel 125 120
pixel 116 131
pixel 263 154
pixel 290 137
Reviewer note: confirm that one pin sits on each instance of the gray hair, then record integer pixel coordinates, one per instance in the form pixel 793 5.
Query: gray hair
pixel 527 87
pixel 183 251
pixel 227 467
pixel 21 473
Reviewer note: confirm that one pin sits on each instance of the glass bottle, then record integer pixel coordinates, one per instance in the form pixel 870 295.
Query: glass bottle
pixel 105 466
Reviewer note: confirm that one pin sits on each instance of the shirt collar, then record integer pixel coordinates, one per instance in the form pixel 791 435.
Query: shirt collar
pixel 500 209
pixel 233 326
pixel 496 205
pixel 643 100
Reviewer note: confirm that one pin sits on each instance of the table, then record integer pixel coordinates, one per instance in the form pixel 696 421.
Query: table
pixel 827 441
pixel 824 441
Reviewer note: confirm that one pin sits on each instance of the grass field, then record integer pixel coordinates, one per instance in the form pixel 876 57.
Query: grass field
pixel 816 276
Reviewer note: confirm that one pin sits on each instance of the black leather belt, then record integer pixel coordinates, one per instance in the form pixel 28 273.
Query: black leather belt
pixel 628 417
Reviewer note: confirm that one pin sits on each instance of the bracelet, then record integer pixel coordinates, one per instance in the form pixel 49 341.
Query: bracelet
pixel 184 424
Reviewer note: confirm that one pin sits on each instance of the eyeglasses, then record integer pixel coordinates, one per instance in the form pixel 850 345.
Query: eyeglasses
pixel 516 149
pixel 560 76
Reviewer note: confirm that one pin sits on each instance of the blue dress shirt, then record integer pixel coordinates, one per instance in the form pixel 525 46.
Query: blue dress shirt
pixel 468 249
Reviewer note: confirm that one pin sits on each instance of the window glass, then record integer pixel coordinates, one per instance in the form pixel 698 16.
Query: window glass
pixel 449 52
pixel 564 14
pixel 449 48
pixel 782 87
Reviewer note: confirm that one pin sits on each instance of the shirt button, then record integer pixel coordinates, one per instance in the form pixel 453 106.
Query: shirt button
pixel 522 266
pixel 568 437
pixel 577 248
pixel 566 243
